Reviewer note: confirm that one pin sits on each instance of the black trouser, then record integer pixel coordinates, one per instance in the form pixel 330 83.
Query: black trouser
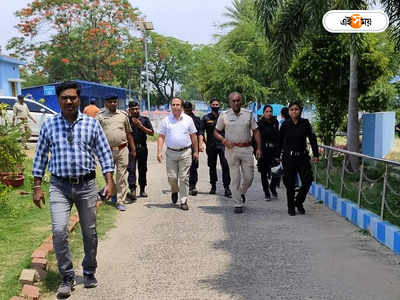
pixel 212 156
pixel 193 176
pixel 267 186
pixel 264 167
pixel 141 162
pixel 293 165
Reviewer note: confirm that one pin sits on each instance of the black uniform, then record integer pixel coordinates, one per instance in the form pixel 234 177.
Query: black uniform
pixel 140 139
pixel 215 148
pixel 193 176
pixel 295 159
pixel 397 129
pixel 269 131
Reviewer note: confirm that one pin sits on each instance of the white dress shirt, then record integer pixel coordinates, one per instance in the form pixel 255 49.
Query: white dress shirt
pixel 177 132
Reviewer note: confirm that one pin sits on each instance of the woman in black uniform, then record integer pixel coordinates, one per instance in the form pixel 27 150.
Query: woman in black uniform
pixel 269 130
pixel 295 157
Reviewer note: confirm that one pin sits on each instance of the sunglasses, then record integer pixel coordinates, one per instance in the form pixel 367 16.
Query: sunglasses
pixel 72 98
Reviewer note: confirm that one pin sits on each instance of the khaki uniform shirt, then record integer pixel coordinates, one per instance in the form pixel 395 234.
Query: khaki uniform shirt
pixel 115 125
pixel 20 111
pixel 238 128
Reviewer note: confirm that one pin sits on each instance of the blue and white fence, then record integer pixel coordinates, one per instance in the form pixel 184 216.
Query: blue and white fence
pixel 385 232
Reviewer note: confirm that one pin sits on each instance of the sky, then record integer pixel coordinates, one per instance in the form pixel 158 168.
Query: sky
pixel 188 20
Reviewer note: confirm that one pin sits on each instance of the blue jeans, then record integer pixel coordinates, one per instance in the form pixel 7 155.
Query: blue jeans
pixel 62 197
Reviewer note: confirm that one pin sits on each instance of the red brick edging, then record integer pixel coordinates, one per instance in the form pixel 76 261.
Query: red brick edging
pixel 39 263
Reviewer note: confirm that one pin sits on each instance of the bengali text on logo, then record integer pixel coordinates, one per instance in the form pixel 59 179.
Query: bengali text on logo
pixel 355 21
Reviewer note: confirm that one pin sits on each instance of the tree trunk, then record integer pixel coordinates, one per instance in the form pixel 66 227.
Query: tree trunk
pixel 353 142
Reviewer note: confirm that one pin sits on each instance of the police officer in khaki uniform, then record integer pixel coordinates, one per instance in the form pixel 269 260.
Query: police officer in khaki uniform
pixel 117 129
pixel 238 124
pixel 20 116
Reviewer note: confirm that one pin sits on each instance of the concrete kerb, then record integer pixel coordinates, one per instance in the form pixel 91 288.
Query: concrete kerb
pixel 383 231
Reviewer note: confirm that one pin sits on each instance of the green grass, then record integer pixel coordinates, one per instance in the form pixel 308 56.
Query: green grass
pixel 23 227
pixel 371 191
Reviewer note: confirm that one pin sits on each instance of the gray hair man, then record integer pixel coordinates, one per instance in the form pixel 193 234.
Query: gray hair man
pixel 179 133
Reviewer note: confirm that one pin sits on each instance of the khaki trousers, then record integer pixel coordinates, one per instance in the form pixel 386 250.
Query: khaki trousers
pixel 25 130
pixel 121 159
pixel 241 168
pixel 178 164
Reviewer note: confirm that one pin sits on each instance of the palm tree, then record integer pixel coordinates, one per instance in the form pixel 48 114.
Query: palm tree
pixel 392 8
pixel 287 24
pixel 241 11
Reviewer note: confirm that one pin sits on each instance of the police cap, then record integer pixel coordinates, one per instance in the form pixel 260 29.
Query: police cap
pixel 110 96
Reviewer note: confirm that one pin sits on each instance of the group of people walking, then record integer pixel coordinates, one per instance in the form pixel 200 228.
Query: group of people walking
pixel 118 140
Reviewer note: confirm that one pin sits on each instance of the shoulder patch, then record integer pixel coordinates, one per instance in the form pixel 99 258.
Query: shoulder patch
pixel 123 112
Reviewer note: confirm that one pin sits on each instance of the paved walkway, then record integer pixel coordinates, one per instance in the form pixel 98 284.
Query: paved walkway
pixel 161 252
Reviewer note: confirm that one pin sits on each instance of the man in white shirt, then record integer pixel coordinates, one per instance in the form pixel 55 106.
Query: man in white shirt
pixel 179 133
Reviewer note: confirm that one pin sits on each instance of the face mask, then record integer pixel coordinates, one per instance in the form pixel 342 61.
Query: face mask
pixel 215 109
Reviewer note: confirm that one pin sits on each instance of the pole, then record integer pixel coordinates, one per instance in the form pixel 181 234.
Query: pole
pixel 147 72
pixel 384 190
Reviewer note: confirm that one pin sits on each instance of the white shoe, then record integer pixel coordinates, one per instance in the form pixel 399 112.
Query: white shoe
pixel 267 198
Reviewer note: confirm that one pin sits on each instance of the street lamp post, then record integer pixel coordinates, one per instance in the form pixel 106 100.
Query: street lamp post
pixel 147 73
pixel 144 26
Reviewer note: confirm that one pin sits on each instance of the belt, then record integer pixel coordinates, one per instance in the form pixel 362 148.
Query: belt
pixel 242 144
pixel 77 179
pixel 297 153
pixel 270 145
pixel 181 149
pixel 120 147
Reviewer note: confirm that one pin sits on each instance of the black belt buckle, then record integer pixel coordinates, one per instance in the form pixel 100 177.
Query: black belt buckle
pixel 74 179
pixel 293 153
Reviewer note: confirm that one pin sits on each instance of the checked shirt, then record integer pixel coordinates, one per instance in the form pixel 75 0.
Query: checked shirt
pixel 72 147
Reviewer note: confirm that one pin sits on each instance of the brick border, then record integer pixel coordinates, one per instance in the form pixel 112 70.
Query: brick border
pixel 39 261
pixel 383 231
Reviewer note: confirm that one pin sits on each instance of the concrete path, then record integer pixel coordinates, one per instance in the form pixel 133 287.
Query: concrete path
pixel 161 252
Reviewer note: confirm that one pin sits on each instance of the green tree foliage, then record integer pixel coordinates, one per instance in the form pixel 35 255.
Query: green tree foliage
pixel 379 97
pixel 237 62
pixel 241 11
pixel 321 72
pixel 169 63
pixel 88 38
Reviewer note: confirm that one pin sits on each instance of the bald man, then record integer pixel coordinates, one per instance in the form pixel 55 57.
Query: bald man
pixel 239 124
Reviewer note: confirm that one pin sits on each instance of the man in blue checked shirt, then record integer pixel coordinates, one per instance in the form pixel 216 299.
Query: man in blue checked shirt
pixel 73 139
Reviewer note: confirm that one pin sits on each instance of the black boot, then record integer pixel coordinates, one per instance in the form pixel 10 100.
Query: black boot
pixel 228 192
pixel 267 197
pixel 300 208
pixel 142 192
pixel 213 189
pixel 291 207
pixel 274 193
pixel 131 197
pixel 192 190
pixel 291 211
